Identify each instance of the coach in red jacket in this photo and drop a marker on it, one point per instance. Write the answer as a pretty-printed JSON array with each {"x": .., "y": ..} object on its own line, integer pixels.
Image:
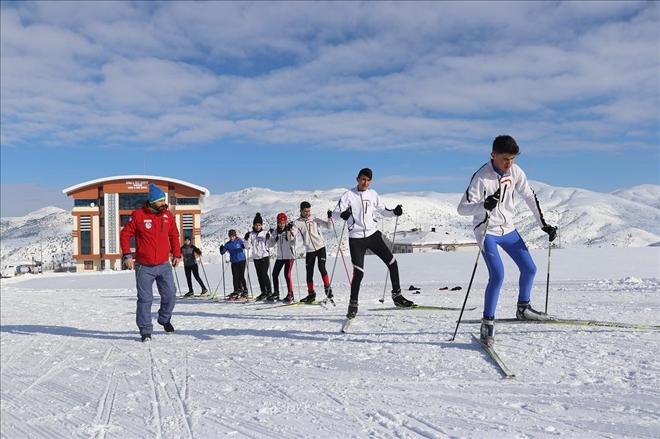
[{"x": 156, "y": 237}]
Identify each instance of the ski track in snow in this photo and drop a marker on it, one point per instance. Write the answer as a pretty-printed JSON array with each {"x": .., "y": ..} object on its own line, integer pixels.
[{"x": 73, "y": 366}]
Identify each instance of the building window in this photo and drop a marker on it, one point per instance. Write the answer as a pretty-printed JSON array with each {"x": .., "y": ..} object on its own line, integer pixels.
[
  {"x": 89, "y": 265},
  {"x": 85, "y": 235},
  {"x": 132, "y": 201},
  {"x": 188, "y": 222},
  {"x": 180, "y": 201},
  {"x": 124, "y": 219},
  {"x": 85, "y": 202}
]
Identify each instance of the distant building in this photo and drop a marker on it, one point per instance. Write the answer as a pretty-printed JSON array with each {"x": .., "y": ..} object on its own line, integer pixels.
[
  {"x": 415, "y": 241},
  {"x": 101, "y": 208}
]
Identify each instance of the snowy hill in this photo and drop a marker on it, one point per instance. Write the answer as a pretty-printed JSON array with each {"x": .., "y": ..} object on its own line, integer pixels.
[{"x": 626, "y": 217}]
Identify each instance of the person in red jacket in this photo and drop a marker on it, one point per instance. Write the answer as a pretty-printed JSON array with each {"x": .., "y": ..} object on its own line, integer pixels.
[{"x": 156, "y": 237}]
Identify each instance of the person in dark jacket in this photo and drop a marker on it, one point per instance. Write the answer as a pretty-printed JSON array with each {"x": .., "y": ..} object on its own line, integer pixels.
[
  {"x": 237, "y": 258},
  {"x": 190, "y": 253},
  {"x": 156, "y": 237}
]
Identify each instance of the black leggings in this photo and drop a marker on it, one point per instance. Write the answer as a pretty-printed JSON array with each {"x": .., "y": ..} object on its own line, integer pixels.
[
  {"x": 358, "y": 248},
  {"x": 193, "y": 270},
  {"x": 238, "y": 275},
  {"x": 287, "y": 264},
  {"x": 261, "y": 266},
  {"x": 310, "y": 260}
]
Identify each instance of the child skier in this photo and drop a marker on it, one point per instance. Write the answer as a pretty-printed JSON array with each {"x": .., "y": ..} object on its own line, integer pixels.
[
  {"x": 236, "y": 251},
  {"x": 283, "y": 240}
]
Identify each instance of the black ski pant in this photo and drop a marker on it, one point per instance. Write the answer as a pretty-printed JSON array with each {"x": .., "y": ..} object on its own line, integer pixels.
[
  {"x": 261, "y": 266},
  {"x": 310, "y": 260},
  {"x": 358, "y": 248},
  {"x": 238, "y": 276},
  {"x": 193, "y": 270},
  {"x": 287, "y": 264}
]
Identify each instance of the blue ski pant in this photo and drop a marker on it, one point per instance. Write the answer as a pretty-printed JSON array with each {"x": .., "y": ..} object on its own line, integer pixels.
[
  {"x": 145, "y": 275},
  {"x": 513, "y": 244}
]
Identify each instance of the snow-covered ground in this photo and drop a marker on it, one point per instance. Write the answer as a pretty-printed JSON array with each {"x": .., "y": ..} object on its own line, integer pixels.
[{"x": 73, "y": 365}]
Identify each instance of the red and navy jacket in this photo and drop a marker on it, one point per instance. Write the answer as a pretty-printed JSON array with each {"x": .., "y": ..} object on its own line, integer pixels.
[{"x": 156, "y": 236}]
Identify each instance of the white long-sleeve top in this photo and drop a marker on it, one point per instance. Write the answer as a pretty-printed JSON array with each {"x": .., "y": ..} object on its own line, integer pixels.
[
  {"x": 364, "y": 205},
  {"x": 486, "y": 181},
  {"x": 283, "y": 241},
  {"x": 257, "y": 243},
  {"x": 309, "y": 229}
]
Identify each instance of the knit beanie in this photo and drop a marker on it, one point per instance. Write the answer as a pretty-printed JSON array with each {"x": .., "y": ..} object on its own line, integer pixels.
[
  {"x": 281, "y": 217},
  {"x": 155, "y": 193},
  {"x": 257, "y": 219}
]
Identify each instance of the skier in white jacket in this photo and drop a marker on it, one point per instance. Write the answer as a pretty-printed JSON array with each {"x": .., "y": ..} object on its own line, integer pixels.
[
  {"x": 489, "y": 198},
  {"x": 283, "y": 240},
  {"x": 256, "y": 239},
  {"x": 357, "y": 207},
  {"x": 309, "y": 228}
]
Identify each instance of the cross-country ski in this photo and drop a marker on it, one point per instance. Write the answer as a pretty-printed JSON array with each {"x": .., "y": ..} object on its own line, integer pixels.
[{"x": 492, "y": 353}]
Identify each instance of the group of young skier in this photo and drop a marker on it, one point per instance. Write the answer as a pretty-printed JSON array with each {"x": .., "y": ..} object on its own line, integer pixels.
[{"x": 488, "y": 199}]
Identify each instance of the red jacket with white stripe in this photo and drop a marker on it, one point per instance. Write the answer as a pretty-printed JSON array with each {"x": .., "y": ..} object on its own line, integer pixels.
[{"x": 156, "y": 236}]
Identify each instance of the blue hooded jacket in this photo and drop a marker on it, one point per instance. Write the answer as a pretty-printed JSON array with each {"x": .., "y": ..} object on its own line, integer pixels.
[{"x": 235, "y": 249}]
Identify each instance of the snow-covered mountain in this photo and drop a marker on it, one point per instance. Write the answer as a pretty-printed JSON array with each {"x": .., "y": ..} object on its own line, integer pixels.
[{"x": 626, "y": 217}]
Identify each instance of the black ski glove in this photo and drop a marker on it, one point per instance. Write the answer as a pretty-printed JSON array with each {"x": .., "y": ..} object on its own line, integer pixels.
[
  {"x": 267, "y": 235},
  {"x": 491, "y": 201},
  {"x": 398, "y": 210},
  {"x": 345, "y": 215},
  {"x": 551, "y": 231},
  {"x": 247, "y": 235},
  {"x": 289, "y": 226},
  {"x": 222, "y": 249}
]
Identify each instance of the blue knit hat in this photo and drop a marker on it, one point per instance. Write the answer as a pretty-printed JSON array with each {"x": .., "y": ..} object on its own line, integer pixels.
[{"x": 155, "y": 193}]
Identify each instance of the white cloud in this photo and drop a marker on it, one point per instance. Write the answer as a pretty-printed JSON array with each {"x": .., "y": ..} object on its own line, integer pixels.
[{"x": 355, "y": 75}]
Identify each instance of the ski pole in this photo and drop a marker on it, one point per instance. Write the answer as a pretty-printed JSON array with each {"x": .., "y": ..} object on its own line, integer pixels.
[
  {"x": 204, "y": 270},
  {"x": 474, "y": 270},
  {"x": 247, "y": 263},
  {"x": 547, "y": 283},
  {"x": 339, "y": 252},
  {"x": 295, "y": 259},
  {"x": 224, "y": 292},
  {"x": 388, "y": 268},
  {"x": 177, "y": 280}
]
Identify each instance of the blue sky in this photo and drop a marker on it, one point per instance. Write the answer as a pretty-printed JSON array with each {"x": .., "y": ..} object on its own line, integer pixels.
[{"x": 301, "y": 95}]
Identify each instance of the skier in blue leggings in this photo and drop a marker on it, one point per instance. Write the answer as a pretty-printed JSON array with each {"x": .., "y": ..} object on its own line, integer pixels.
[{"x": 489, "y": 199}]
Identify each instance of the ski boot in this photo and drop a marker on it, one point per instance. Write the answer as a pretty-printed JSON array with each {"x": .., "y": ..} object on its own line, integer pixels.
[
  {"x": 233, "y": 296},
  {"x": 311, "y": 297},
  {"x": 328, "y": 293},
  {"x": 261, "y": 297},
  {"x": 401, "y": 301},
  {"x": 487, "y": 331},
  {"x": 275, "y": 297},
  {"x": 526, "y": 312},
  {"x": 244, "y": 295},
  {"x": 352, "y": 309},
  {"x": 146, "y": 337},
  {"x": 203, "y": 292},
  {"x": 288, "y": 298},
  {"x": 189, "y": 294}
]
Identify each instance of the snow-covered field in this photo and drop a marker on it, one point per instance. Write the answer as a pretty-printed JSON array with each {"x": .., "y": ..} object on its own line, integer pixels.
[{"x": 73, "y": 365}]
